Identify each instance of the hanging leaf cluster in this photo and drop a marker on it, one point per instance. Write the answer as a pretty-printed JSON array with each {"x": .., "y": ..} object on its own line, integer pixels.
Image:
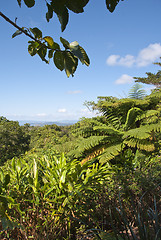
[{"x": 47, "y": 49}]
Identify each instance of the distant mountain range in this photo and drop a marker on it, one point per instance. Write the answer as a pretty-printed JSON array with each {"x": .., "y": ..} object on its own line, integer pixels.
[{"x": 43, "y": 123}]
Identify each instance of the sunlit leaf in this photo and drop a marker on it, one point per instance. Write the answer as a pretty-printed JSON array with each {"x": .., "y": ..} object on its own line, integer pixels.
[{"x": 51, "y": 43}]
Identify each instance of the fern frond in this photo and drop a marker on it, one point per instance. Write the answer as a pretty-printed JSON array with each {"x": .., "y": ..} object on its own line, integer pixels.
[
  {"x": 110, "y": 153},
  {"x": 149, "y": 116},
  {"x": 131, "y": 117},
  {"x": 108, "y": 130},
  {"x": 93, "y": 155},
  {"x": 138, "y": 133},
  {"x": 154, "y": 127},
  {"x": 87, "y": 144},
  {"x": 141, "y": 145}
]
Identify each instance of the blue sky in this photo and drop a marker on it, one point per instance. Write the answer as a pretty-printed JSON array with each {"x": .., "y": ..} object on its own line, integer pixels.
[{"x": 121, "y": 45}]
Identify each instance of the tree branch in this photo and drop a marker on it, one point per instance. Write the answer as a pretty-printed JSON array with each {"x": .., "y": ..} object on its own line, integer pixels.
[{"x": 22, "y": 30}]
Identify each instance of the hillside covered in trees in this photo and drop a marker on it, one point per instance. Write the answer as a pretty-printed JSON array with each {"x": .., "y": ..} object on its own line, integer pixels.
[{"x": 96, "y": 179}]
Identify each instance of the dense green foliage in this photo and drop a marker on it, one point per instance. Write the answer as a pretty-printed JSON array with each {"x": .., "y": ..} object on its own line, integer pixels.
[
  {"x": 13, "y": 140},
  {"x": 128, "y": 124},
  {"x": 106, "y": 184}
]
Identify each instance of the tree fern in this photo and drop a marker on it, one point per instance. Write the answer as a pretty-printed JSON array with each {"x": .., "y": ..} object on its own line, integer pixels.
[
  {"x": 110, "y": 153},
  {"x": 130, "y": 123},
  {"x": 136, "y": 92}
]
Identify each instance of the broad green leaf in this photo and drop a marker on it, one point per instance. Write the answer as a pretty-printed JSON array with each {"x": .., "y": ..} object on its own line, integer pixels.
[
  {"x": 49, "y": 14},
  {"x": 85, "y": 56},
  {"x": 111, "y": 4},
  {"x": 75, "y": 49},
  {"x": 6, "y": 179},
  {"x": 65, "y": 43},
  {"x": 63, "y": 176},
  {"x": 59, "y": 60},
  {"x": 19, "y": 2},
  {"x": 49, "y": 40},
  {"x": 1, "y": 175},
  {"x": 50, "y": 54},
  {"x": 29, "y": 3},
  {"x": 37, "y": 32},
  {"x": 13, "y": 164},
  {"x": 32, "y": 50},
  {"x": 51, "y": 43},
  {"x": 70, "y": 63},
  {"x": 18, "y": 32},
  {"x": 42, "y": 53},
  {"x": 18, "y": 166},
  {"x": 76, "y": 5},
  {"x": 63, "y": 18}
]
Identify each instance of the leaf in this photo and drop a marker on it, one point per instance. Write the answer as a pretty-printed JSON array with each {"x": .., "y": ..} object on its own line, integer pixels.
[
  {"x": 6, "y": 179},
  {"x": 37, "y": 32},
  {"x": 18, "y": 32},
  {"x": 85, "y": 56},
  {"x": 75, "y": 49},
  {"x": 63, "y": 18},
  {"x": 32, "y": 50},
  {"x": 19, "y": 2},
  {"x": 76, "y": 5},
  {"x": 18, "y": 166},
  {"x": 42, "y": 53},
  {"x": 51, "y": 43},
  {"x": 63, "y": 176},
  {"x": 111, "y": 4},
  {"x": 70, "y": 63},
  {"x": 49, "y": 40},
  {"x": 29, "y": 3},
  {"x": 13, "y": 164},
  {"x": 65, "y": 43},
  {"x": 33, "y": 47},
  {"x": 59, "y": 60},
  {"x": 49, "y": 14},
  {"x": 50, "y": 54}
]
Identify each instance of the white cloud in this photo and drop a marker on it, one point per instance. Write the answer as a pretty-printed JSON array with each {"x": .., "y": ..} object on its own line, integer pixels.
[
  {"x": 74, "y": 92},
  {"x": 145, "y": 57},
  {"x": 124, "y": 79},
  {"x": 126, "y": 61},
  {"x": 41, "y": 114},
  {"x": 148, "y": 55},
  {"x": 112, "y": 60},
  {"x": 62, "y": 110}
]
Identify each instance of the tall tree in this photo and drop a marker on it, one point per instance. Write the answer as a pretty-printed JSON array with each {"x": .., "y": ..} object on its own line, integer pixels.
[
  {"x": 13, "y": 140},
  {"x": 133, "y": 124}
]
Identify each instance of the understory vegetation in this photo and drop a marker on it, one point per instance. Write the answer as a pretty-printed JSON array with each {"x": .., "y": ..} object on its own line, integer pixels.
[{"x": 97, "y": 179}]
